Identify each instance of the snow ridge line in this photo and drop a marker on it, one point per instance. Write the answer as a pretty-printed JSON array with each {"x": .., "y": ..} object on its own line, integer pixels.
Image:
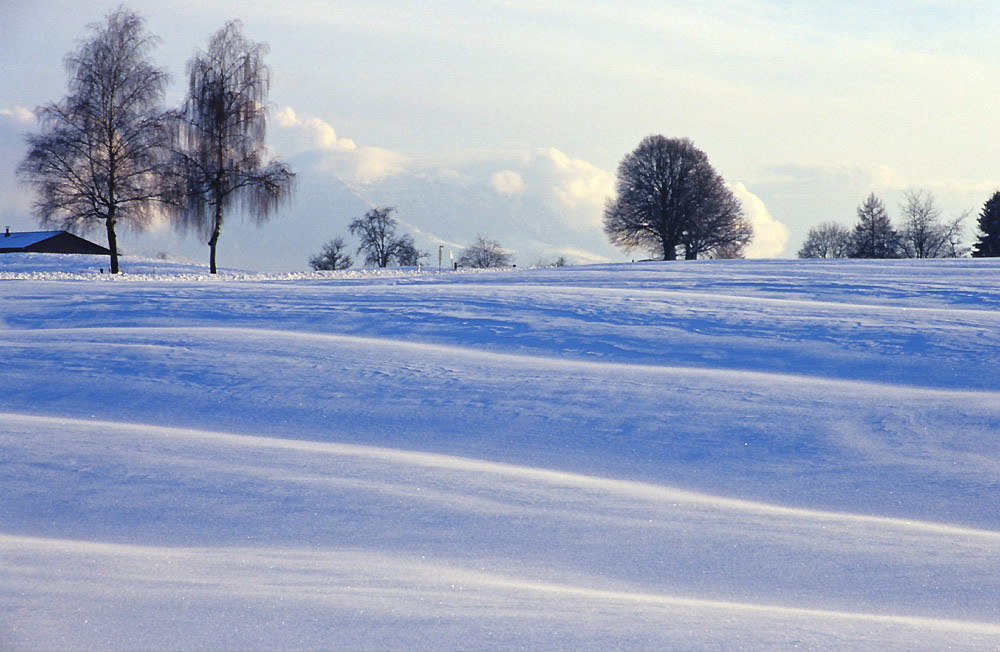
[
  {"x": 628, "y": 488},
  {"x": 430, "y": 573},
  {"x": 530, "y": 360},
  {"x": 710, "y": 297},
  {"x": 233, "y": 275}
]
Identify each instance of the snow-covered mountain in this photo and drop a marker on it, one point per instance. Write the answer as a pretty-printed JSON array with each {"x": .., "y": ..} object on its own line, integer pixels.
[{"x": 698, "y": 456}]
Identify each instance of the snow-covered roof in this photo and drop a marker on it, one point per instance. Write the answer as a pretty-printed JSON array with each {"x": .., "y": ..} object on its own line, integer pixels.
[
  {"x": 56, "y": 242},
  {"x": 25, "y": 238}
]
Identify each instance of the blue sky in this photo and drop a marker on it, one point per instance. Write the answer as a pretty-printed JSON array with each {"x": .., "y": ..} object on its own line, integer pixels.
[{"x": 808, "y": 106}]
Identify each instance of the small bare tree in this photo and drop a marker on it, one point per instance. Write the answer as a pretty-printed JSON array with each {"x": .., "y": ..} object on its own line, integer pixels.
[
  {"x": 828, "y": 240},
  {"x": 407, "y": 254},
  {"x": 332, "y": 257},
  {"x": 100, "y": 157},
  {"x": 222, "y": 129},
  {"x": 558, "y": 261},
  {"x": 484, "y": 253},
  {"x": 923, "y": 234},
  {"x": 377, "y": 231}
]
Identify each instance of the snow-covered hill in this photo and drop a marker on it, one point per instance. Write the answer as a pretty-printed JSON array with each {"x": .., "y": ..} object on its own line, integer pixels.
[{"x": 704, "y": 456}]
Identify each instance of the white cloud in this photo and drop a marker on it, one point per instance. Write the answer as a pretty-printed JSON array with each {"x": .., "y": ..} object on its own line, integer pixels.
[
  {"x": 448, "y": 175},
  {"x": 770, "y": 235},
  {"x": 364, "y": 165},
  {"x": 886, "y": 179},
  {"x": 371, "y": 164},
  {"x": 577, "y": 183},
  {"x": 19, "y": 114},
  {"x": 318, "y": 132},
  {"x": 15, "y": 197},
  {"x": 539, "y": 203},
  {"x": 507, "y": 182}
]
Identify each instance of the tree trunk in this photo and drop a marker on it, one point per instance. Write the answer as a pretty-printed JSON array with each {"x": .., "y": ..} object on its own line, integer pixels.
[
  {"x": 211, "y": 252},
  {"x": 112, "y": 240},
  {"x": 214, "y": 240}
]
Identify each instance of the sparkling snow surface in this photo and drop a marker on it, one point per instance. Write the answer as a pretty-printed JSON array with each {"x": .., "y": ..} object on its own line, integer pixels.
[{"x": 720, "y": 455}]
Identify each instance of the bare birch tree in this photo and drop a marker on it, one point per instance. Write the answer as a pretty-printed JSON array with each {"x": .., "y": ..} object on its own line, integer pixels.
[
  {"x": 99, "y": 158},
  {"x": 222, "y": 127}
]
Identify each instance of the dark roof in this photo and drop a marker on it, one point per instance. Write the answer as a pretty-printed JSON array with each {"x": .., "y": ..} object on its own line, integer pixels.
[{"x": 48, "y": 242}]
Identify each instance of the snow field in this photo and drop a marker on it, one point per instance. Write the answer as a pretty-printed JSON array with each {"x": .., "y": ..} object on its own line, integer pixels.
[{"x": 699, "y": 456}]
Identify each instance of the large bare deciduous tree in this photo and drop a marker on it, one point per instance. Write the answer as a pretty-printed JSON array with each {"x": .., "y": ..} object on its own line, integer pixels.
[
  {"x": 222, "y": 128},
  {"x": 100, "y": 156},
  {"x": 669, "y": 196}
]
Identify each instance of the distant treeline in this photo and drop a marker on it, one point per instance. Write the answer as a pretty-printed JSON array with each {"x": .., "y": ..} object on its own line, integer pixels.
[{"x": 921, "y": 232}]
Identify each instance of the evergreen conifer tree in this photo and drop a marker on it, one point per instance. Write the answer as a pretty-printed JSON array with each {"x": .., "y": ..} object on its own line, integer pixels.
[
  {"x": 988, "y": 244},
  {"x": 873, "y": 235}
]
